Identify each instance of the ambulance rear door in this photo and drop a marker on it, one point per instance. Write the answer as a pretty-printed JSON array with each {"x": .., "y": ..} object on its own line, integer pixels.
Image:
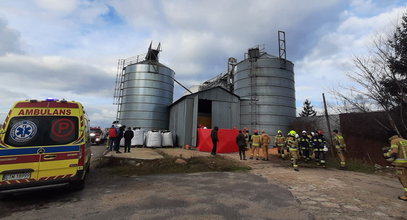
[
  {"x": 19, "y": 159},
  {"x": 61, "y": 148}
]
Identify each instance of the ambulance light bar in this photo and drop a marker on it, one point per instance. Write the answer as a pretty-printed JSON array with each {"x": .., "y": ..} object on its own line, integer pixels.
[{"x": 51, "y": 100}]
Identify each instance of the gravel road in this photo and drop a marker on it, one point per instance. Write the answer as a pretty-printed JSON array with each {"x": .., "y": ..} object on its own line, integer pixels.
[{"x": 271, "y": 190}]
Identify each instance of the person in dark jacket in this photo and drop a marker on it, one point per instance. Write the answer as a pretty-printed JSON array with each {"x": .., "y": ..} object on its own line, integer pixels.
[
  {"x": 119, "y": 138},
  {"x": 241, "y": 143},
  {"x": 128, "y": 135},
  {"x": 214, "y": 137}
]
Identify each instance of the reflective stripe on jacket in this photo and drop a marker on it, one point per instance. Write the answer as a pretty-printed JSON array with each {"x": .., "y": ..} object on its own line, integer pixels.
[
  {"x": 304, "y": 142},
  {"x": 398, "y": 146},
  {"x": 339, "y": 142},
  {"x": 264, "y": 139},
  {"x": 292, "y": 143},
  {"x": 256, "y": 140},
  {"x": 279, "y": 140}
]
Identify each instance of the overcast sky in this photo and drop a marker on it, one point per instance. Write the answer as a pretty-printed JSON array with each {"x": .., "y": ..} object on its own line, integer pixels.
[{"x": 69, "y": 49}]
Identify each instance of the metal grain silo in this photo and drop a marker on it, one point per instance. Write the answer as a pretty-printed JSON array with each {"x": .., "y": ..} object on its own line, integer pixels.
[
  {"x": 265, "y": 85},
  {"x": 146, "y": 92}
]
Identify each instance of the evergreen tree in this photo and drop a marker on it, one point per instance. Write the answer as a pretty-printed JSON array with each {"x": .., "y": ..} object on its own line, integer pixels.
[
  {"x": 395, "y": 83},
  {"x": 308, "y": 109}
]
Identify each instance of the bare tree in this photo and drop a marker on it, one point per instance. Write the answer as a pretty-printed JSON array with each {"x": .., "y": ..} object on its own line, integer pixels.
[{"x": 381, "y": 80}]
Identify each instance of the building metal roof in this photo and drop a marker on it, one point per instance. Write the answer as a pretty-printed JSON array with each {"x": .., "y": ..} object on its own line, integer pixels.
[
  {"x": 203, "y": 91},
  {"x": 264, "y": 55}
]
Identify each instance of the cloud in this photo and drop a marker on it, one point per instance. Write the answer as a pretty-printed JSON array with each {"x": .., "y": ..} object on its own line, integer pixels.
[
  {"x": 53, "y": 73},
  {"x": 25, "y": 77},
  {"x": 143, "y": 13},
  {"x": 205, "y": 33},
  {"x": 56, "y": 6},
  {"x": 100, "y": 115},
  {"x": 326, "y": 65},
  {"x": 70, "y": 48},
  {"x": 10, "y": 39}
]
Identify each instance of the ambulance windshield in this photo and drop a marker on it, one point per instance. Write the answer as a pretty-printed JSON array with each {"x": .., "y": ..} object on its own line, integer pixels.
[
  {"x": 96, "y": 130},
  {"x": 41, "y": 130}
]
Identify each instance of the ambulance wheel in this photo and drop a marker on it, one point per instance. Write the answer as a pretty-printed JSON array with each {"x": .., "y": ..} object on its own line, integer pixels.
[
  {"x": 5, "y": 196},
  {"x": 77, "y": 185},
  {"x": 87, "y": 168}
]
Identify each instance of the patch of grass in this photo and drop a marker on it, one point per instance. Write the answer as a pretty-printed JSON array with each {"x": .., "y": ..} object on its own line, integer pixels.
[
  {"x": 167, "y": 165},
  {"x": 352, "y": 165}
]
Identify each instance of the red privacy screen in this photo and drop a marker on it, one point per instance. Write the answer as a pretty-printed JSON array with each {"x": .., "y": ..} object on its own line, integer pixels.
[{"x": 226, "y": 144}]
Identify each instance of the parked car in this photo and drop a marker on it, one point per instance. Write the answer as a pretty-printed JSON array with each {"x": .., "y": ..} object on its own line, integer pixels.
[{"x": 97, "y": 136}]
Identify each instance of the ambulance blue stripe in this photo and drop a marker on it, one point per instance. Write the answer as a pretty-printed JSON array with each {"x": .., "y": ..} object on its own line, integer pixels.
[
  {"x": 61, "y": 149},
  {"x": 22, "y": 151},
  {"x": 8, "y": 152}
]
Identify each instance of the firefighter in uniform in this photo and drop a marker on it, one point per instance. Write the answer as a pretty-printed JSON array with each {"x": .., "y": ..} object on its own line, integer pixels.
[
  {"x": 398, "y": 155},
  {"x": 265, "y": 141},
  {"x": 340, "y": 147},
  {"x": 247, "y": 138},
  {"x": 311, "y": 146},
  {"x": 314, "y": 140},
  {"x": 255, "y": 139},
  {"x": 279, "y": 141},
  {"x": 304, "y": 145},
  {"x": 320, "y": 148},
  {"x": 292, "y": 145}
]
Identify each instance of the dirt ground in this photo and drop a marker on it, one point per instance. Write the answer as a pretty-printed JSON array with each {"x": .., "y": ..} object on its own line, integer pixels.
[
  {"x": 329, "y": 193},
  {"x": 271, "y": 190}
]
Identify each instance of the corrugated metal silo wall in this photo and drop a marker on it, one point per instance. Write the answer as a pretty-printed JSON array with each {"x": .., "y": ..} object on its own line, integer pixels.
[
  {"x": 274, "y": 88},
  {"x": 147, "y": 93}
]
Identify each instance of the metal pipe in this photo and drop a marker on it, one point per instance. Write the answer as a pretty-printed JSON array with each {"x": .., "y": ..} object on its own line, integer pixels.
[
  {"x": 329, "y": 126},
  {"x": 182, "y": 85}
]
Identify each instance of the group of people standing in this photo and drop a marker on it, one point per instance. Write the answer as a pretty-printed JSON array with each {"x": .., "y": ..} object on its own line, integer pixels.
[
  {"x": 115, "y": 134},
  {"x": 305, "y": 147},
  {"x": 253, "y": 142},
  {"x": 308, "y": 146}
]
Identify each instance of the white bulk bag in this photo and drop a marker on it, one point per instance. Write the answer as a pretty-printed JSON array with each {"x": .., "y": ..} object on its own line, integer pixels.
[
  {"x": 138, "y": 139},
  {"x": 167, "y": 139},
  {"x": 153, "y": 139}
]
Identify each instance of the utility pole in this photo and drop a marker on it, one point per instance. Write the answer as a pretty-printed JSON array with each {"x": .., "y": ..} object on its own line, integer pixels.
[{"x": 329, "y": 126}]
